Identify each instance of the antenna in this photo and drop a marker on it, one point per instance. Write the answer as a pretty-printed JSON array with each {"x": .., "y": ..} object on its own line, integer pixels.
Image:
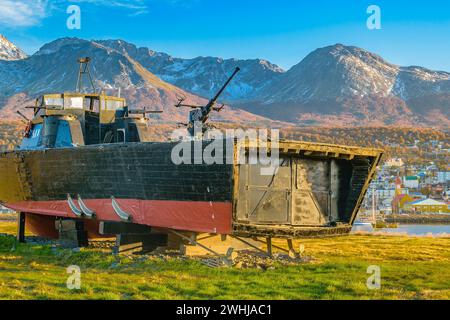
[
  {"x": 84, "y": 69},
  {"x": 22, "y": 115}
]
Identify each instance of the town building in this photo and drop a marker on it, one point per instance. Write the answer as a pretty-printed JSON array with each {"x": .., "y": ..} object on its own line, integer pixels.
[
  {"x": 443, "y": 176},
  {"x": 5, "y": 210},
  {"x": 394, "y": 162},
  {"x": 400, "y": 203},
  {"x": 411, "y": 182},
  {"x": 429, "y": 206}
]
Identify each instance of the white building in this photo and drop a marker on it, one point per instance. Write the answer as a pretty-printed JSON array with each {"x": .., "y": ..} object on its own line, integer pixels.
[
  {"x": 411, "y": 182},
  {"x": 5, "y": 210},
  {"x": 394, "y": 162},
  {"x": 443, "y": 176},
  {"x": 385, "y": 193}
]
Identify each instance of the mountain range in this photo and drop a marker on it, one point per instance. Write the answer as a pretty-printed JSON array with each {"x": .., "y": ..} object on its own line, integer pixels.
[
  {"x": 335, "y": 85},
  {"x": 54, "y": 68}
]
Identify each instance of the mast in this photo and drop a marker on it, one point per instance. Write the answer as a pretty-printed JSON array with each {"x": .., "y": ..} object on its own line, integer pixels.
[
  {"x": 84, "y": 69},
  {"x": 374, "y": 218}
]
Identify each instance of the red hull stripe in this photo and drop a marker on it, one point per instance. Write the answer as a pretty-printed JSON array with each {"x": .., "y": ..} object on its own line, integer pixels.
[{"x": 210, "y": 217}]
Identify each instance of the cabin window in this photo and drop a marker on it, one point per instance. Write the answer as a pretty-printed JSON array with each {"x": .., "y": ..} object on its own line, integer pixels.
[
  {"x": 92, "y": 104},
  {"x": 63, "y": 135},
  {"x": 95, "y": 103},
  {"x": 54, "y": 102},
  {"x": 114, "y": 104},
  {"x": 120, "y": 135},
  {"x": 73, "y": 103}
]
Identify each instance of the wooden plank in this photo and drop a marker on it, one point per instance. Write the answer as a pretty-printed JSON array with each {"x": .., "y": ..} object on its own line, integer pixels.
[
  {"x": 220, "y": 246},
  {"x": 290, "y": 244},
  {"x": 155, "y": 239},
  {"x": 113, "y": 227},
  {"x": 21, "y": 227},
  {"x": 139, "y": 242},
  {"x": 269, "y": 246},
  {"x": 69, "y": 224}
]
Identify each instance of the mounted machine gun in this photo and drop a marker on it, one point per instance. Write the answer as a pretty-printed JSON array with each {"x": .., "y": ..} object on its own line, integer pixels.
[{"x": 200, "y": 114}]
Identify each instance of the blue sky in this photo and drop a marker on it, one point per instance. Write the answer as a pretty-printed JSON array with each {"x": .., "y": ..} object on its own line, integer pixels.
[{"x": 281, "y": 31}]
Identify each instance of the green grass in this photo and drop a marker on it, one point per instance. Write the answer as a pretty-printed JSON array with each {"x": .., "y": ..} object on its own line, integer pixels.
[{"x": 411, "y": 268}]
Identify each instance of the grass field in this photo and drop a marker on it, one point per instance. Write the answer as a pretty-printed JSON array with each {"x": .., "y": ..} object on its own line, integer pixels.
[{"x": 411, "y": 268}]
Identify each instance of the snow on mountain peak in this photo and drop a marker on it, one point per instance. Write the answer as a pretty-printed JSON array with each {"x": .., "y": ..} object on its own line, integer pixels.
[{"x": 8, "y": 51}]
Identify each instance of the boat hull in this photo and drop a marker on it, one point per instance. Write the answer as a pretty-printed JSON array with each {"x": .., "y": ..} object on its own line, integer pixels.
[
  {"x": 317, "y": 190},
  {"x": 198, "y": 216}
]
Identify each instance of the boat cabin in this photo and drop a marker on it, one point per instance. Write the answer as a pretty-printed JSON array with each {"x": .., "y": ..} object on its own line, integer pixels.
[{"x": 75, "y": 119}]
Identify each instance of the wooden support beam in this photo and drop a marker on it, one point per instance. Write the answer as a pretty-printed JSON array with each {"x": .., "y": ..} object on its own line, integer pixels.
[
  {"x": 249, "y": 244},
  {"x": 114, "y": 227},
  {"x": 273, "y": 246},
  {"x": 69, "y": 225},
  {"x": 290, "y": 244},
  {"x": 194, "y": 242},
  {"x": 139, "y": 242},
  {"x": 72, "y": 233},
  {"x": 21, "y": 227},
  {"x": 269, "y": 246}
]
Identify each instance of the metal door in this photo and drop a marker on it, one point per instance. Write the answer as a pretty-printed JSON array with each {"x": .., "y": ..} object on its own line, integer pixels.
[
  {"x": 267, "y": 198},
  {"x": 311, "y": 192}
]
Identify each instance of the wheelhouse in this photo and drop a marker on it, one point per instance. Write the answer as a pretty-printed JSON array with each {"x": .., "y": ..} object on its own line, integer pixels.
[
  {"x": 96, "y": 103},
  {"x": 74, "y": 119}
]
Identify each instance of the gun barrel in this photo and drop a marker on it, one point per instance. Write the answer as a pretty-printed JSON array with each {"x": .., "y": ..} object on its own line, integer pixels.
[
  {"x": 137, "y": 111},
  {"x": 201, "y": 115},
  {"x": 225, "y": 85}
]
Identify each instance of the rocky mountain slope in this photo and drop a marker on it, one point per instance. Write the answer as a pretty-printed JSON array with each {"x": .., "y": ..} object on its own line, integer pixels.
[
  {"x": 203, "y": 75},
  {"x": 8, "y": 51},
  {"x": 340, "y": 71},
  {"x": 349, "y": 85},
  {"x": 337, "y": 85}
]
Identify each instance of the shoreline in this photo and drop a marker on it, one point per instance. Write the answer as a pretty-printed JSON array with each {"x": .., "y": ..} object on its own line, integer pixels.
[
  {"x": 399, "y": 234},
  {"x": 432, "y": 219}
]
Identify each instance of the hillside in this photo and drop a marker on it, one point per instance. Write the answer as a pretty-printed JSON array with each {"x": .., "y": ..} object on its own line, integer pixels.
[{"x": 395, "y": 141}]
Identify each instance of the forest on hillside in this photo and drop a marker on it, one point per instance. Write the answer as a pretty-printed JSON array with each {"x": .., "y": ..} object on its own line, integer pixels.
[
  {"x": 10, "y": 134},
  {"x": 413, "y": 145}
]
